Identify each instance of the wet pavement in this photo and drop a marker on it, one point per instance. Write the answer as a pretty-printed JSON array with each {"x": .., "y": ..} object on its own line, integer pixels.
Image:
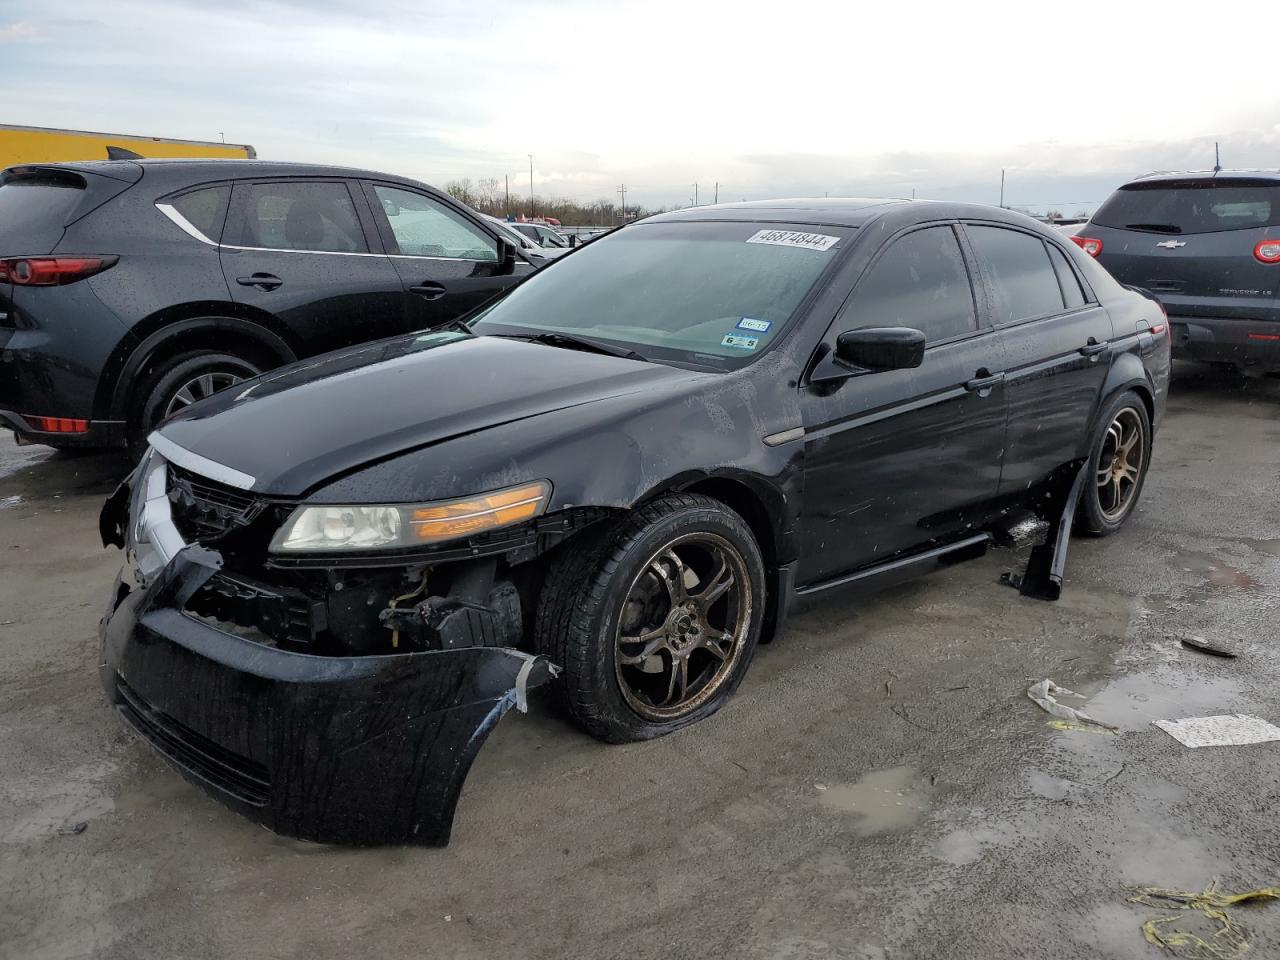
[{"x": 880, "y": 787}]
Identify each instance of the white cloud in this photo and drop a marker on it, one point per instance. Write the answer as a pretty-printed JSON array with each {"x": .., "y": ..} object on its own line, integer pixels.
[{"x": 764, "y": 97}]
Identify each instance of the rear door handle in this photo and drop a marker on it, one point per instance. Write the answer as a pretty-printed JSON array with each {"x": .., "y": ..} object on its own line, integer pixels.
[
  {"x": 1092, "y": 348},
  {"x": 428, "y": 291},
  {"x": 263, "y": 281},
  {"x": 983, "y": 383}
]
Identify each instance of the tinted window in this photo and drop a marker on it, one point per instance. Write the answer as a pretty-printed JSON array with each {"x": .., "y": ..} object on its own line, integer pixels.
[
  {"x": 1192, "y": 207},
  {"x": 205, "y": 209},
  {"x": 1023, "y": 283},
  {"x": 1067, "y": 278},
  {"x": 715, "y": 293},
  {"x": 33, "y": 213},
  {"x": 921, "y": 282},
  {"x": 423, "y": 227},
  {"x": 299, "y": 216}
]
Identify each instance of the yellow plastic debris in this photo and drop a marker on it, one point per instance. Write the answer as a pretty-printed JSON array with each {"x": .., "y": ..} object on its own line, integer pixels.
[
  {"x": 1231, "y": 939},
  {"x": 1080, "y": 727}
]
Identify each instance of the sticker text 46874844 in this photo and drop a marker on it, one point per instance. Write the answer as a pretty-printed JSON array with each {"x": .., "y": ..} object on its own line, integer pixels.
[{"x": 794, "y": 238}]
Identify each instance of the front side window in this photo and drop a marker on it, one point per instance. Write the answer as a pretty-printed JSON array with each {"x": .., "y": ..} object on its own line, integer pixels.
[
  {"x": 920, "y": 282},
  {"x": 710, "y": 293},
  {"x": 1023, "y": 281},
  {"x": 423, "y": 227},
  {"x": 299, "y": 215}
]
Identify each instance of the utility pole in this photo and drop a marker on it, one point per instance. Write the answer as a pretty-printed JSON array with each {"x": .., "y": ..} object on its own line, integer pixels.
[
  {"x": 695, "y": 193},
  {"x": 717, "y": 199},
  {"x": 622, "y": 189},
  {"x": 1002, "y": 187},
  {"x": 532, "y": 209},
  {"x": 223, "y": 136},
  {"x": 913, "y": 193},
  {"x": 507, "y": 178}
]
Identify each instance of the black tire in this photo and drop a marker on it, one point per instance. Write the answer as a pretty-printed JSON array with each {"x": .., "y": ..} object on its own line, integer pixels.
[
  {"x": 1098, "y": 514},
  {"x": 157, "y": 399},
  {"x": 593, "y": 584}
]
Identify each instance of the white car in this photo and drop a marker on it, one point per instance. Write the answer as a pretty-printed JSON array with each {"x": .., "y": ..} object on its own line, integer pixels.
[
  {"x": 542, "y": 235},
  {"x": 525, "y": 244}
]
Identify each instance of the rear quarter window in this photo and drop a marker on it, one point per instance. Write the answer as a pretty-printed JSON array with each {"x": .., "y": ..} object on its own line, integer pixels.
[{"x": 205, "y": 209}]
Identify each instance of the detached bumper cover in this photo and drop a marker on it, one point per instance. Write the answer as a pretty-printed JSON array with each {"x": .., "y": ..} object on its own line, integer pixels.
[{"x": 353, "y": 750}]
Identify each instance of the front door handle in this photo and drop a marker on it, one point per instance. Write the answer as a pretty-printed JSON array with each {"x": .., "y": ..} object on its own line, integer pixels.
[
  {"x": 983, "y": 383},
  {"x": 1092, "y": 348},
  {"x": 428, "y": 291},
  {"x": 263, "y": 281}
]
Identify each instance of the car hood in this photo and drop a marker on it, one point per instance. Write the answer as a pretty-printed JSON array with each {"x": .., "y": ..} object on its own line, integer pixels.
[{"x": 287, "y": 431}]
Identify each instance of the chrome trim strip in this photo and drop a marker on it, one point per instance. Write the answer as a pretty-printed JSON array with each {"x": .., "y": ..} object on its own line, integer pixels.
[
  {"x": 201, "y": 465},
  {"x": 183, "y": 223},
  {"x": 155, "y": 539},
  {"x": 786, "y": 436},
  {"x": 343, "y": 253}
]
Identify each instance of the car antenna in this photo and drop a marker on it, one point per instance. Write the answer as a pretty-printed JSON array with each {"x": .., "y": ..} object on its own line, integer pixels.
[
  {"x": 121, "y": 153},
  {"x": 1217, "y": 159}
]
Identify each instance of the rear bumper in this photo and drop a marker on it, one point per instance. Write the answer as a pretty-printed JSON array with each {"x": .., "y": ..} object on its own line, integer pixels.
[
  {"x": 101, "y": 433},
  {"x": 1245, "y": 343}
]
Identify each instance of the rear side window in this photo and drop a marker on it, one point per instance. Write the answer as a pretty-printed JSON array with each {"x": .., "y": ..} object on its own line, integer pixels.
[
  {"x": 296, "y": 216},
  {"x": 205, "y": 209},
  {"x": 921, "y": 281},
  {"x": 1067, "y": 279},
  {"x": 1181, "y": 207},
  {"x": 1023, "y": 281}
]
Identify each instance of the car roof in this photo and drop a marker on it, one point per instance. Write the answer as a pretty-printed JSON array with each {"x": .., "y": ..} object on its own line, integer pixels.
[
  {"x": 195, "y": 169},
  {"x": 838, "y": 211},
  {"x": 1184, "y": 175}
]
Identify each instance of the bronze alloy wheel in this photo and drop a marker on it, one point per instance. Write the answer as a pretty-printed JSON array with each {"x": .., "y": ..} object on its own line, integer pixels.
[
  {"x": 683, "y": 626},
  {"x": 197, "y": 388},
  {"x": 1120, "y": 462}
]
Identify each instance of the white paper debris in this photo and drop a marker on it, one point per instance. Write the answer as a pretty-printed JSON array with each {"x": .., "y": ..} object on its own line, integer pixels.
[
  {"x": 1226, "y": 731},
  {"x": 1043, "y": 693}
]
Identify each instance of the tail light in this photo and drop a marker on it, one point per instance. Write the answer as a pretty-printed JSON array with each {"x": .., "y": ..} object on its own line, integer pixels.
[
  {"x": 57, "y": 424},
  {"x": 51, "y": 271},
  {"x": 1089, "y": 245},
  {"x": 1159, "y": 328},
  {"x": 1267, "y": 251}
]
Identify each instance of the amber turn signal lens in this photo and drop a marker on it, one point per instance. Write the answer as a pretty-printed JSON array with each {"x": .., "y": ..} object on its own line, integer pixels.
[{"x": 463, "y": 518}]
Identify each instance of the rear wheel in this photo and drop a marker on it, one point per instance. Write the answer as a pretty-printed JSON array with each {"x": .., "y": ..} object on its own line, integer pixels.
[
  {"x": 184, "y": 380},
  {"x": 1117, "y": 466},
  {"x": 655, "y": 619}
]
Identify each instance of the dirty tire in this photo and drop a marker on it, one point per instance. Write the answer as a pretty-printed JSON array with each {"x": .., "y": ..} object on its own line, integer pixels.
[
  {"x": 176, "y": 374},
  {"x": 1093, "y": 517},
  {"x": 591, "y": 582}
]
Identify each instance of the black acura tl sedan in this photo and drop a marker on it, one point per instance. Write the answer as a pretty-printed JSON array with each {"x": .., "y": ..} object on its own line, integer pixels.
[{"x": 617, "y": 477}]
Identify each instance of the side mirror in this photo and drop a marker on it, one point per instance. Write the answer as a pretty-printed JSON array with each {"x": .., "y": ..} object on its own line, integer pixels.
[
  {"x": 506, "y": 256},
  {"x": 881, "y": 348}
]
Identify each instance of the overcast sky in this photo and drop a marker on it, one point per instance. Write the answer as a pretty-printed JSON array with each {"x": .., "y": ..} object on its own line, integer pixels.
[{"x": 771, "y": 99}]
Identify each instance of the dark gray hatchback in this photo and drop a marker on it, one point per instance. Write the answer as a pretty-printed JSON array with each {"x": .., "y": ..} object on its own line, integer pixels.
[{"x": 1208, "y": 246}]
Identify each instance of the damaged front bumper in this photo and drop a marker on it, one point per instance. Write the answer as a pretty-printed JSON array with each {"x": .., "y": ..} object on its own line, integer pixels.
[{"x": 352, "y": 750}]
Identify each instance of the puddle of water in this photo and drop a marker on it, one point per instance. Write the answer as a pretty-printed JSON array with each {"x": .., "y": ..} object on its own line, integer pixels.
[
  {"x": 1216, "y": 572},
  {"x": 10, "y": 502},
  {"x": 883, "y": 800}
]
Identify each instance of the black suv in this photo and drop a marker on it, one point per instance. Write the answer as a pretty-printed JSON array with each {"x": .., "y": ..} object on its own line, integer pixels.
[
  {"x": 130, "y": 289},
  {"x": 1208, "y": 245}
]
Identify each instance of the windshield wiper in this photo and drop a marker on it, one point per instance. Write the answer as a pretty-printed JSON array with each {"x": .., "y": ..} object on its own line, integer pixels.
[
  {"x": 571, "y": 342},
  {"x": 1154, "y": 227}
]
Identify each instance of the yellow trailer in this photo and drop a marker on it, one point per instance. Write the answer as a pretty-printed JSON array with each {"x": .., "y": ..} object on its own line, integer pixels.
[{"x": 47, "y": 145}]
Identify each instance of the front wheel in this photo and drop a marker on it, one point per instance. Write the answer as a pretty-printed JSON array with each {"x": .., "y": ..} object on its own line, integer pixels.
[
  {"x": 655, "y": 619},
  {"x": 1118, "y": 462},
  {"x": 185, "y": 380}
]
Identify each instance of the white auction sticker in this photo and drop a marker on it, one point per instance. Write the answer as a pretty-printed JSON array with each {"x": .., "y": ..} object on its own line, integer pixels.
[{"x": 794, "y": 238}]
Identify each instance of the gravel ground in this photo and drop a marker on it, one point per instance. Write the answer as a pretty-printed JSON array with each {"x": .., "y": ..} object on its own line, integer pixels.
[{"x": 880, "y": 787}]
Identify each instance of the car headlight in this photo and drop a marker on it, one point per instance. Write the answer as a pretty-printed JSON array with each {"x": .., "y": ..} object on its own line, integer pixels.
[{"x": 381, "y": 526}]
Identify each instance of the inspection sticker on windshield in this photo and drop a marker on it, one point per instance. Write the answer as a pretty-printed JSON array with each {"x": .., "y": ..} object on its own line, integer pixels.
[
  {"x": 794, "y": 238},
  {"x": 742, "y": 343},
  {"x": 750, "y": 323}
]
